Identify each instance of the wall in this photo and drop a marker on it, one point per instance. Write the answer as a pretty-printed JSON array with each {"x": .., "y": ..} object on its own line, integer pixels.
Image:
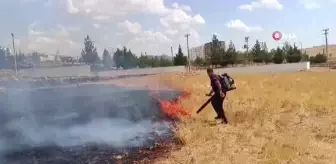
[
  {"x": 143, "y": 71},
  {"x": 85, "y": 70},
  {"x": 271, "y": 68}
]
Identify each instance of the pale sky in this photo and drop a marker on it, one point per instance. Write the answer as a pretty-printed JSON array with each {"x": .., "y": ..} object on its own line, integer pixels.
[{"x": 153, "y": 26}]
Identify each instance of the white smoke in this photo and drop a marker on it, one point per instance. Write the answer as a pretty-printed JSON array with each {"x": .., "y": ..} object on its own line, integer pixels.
[{"x": 107, "y": 115}]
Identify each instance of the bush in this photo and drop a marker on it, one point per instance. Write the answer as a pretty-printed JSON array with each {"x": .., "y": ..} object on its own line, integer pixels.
[
  {"x": 319, "y": 58},
  {"x": 279, "y": 56},
  {"x": 293, "y": 58},
  {"x": 258, "y": 59},
  {"x": 305, "y": 57}
]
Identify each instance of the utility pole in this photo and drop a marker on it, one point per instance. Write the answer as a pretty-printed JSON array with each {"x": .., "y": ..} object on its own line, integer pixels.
[
  {"x": 247, "y": 48},
  {"x": 187, "y": 36},
  {"x": 112, "y": 51},
  {"x": 326, "y": 44},
  {"x": 14, "y": 51},
  {"x": 172, "y": 54}
]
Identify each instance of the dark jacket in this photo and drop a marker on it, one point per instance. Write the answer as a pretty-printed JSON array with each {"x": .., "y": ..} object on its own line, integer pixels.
[{"x": 215, "y": 84}]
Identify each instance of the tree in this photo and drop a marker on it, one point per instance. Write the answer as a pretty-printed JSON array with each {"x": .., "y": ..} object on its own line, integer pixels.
[
  {"x": 180, "y": 59},
  {"x": 279, "y": 56},
  {"x": 165, "y": 62},
  {"x": 143, "y": 61},
  {"x": 89, "y": 53},
  {"x": 3, "y": 58},
  {"x": 267, "y": 57},
  {"x": 286, "y": 48},
  {"x": 319, "y": 58},
  {"x": 130, "y": 60},
  {"x": 293, "y": 55},
  {"x": 107, "y": 59},
  {"x": 305, "y": 56},
  {"x": 125, "y": 59},
  {"x": 118, "y": 58},
  {"x": 155, "y": 61},
  {"x": 257, "y": 53},
  {"x": 215, "y": 57},
  {"x": 240, "y": 57},
  {"x": 224, "y": 58},
  {"x": 249, "y": 56},
  {"x": 231, "y": 54},
  {"x": 199, "y": 61}
]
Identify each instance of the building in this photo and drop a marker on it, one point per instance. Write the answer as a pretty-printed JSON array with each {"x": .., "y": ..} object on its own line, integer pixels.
[
  {"x": 204, "y": 50},
  {"x": 222, "y": 45},
  {"x": 207, "y": 47},
  {"x": 196, "y": 52}
]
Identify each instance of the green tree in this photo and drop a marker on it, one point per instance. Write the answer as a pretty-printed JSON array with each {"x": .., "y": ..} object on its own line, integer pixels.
[
  {"x": 305, "y": 56},
  {"x": 125, "y": 58},
  {"x": 165, "y": 62},
  {"x": 293, "y": 55},
  {"x": 130, "y": 60},
  {"x": 155, "y": 61},
  {"x": 180, "y": 59},
  {"x": 249, "y": 56},
  {"x": 118, "y": 58},
  {"x": 319, "y": 58},
  {"x": 265, "y": 54},
  {"x": 3, "y": 58},
  {"x": 279, "y": 56},
  {"x": 143, "y": 61},
  {"x": 286, "y": 48},
  {"x": 224, "y": 58},
  {"x": 240, "y": 57},
  {"x": 199, "y": 61},
  {"x": 215, "y": 51},
  {"x": 89, "y": 53},
  {"x": 107, "y": 59},
  {"x": 231, "y": 54},
  {"x": 257, "y": 53}
]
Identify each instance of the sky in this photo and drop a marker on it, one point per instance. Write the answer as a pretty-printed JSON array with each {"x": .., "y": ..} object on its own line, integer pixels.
[{"x": 154, "y": 26}]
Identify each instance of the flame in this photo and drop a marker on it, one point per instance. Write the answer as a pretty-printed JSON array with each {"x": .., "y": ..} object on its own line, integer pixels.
[{"x": 174, "y": 109}]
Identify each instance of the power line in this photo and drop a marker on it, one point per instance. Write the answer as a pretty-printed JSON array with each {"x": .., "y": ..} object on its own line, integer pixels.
[
  {"x": 326, "y": 39},
  {"x": 247, "y": 46},
  {"x": 172, "y": 54},
  {"x": 187, "y": 36},
  {"x": 15, "y": 65},
  {"x": 326, "y": 42}
]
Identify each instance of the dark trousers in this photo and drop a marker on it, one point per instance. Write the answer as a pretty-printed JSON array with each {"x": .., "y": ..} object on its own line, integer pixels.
[{"x": 217, "y": 104}]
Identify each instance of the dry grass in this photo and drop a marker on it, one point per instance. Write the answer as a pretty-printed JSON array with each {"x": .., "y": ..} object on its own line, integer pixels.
[{"x": 274, "y": 118}]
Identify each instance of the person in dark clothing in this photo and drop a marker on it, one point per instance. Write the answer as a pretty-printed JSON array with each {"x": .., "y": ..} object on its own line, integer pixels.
[{"x": 219, "y": 95}]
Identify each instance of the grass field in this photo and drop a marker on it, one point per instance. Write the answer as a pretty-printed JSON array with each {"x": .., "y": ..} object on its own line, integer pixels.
[{"x": 274, "y": 118}]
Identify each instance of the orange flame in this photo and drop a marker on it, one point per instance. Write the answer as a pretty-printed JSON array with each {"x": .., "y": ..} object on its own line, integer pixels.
[{"x": 174, "y": 109}]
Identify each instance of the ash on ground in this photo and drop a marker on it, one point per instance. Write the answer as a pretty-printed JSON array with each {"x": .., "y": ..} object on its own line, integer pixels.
[{"x": 83, "y": 124}]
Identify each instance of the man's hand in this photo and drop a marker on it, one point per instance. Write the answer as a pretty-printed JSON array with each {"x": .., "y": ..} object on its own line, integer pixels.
[
  {"x": 222, "y": 94},
  {"x": 210, "y": 93}
]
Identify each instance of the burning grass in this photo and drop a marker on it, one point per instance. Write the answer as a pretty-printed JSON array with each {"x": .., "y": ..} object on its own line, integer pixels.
[
  {"x": 273, "y": 118},
  {"x": 174, "y": 109}
]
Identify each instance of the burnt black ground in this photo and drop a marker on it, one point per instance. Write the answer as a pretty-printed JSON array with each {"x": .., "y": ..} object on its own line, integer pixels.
[{"x": 85, "y": 124}]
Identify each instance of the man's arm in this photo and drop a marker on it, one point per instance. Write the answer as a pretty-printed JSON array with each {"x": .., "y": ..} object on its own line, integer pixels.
[
  {"x": 218, "y": 86},
  {"x": 210, "y": 93}
]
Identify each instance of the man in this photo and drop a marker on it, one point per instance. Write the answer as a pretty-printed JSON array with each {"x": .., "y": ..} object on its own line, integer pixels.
[{"x": 219, "y": 96}]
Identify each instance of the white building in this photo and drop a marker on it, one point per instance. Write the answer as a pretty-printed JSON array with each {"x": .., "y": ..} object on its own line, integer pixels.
[{"x": 197, "y": 51}]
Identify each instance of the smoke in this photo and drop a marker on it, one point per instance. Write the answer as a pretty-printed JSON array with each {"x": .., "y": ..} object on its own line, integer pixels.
[{"x": 73, "y": 116}]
